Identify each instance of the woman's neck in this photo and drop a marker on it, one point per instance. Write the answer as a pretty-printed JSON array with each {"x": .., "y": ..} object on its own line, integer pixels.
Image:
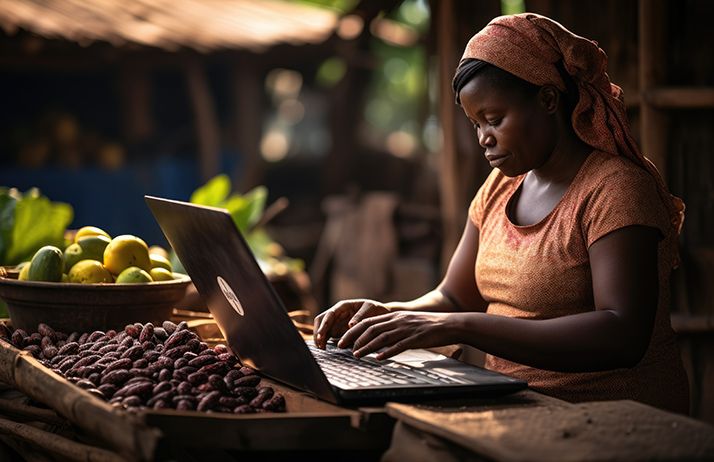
[{"x": 564, "y": 163}]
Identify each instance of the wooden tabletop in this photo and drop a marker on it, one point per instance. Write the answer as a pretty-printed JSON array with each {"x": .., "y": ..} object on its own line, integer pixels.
[{"x": 531, "y": 427}]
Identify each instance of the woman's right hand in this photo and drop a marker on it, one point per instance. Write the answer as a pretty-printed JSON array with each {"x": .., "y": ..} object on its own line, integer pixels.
[{"x": 342, "y": 316}]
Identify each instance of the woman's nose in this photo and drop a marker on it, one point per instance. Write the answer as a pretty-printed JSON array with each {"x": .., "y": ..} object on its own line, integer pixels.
[{"x": 486, "y": 140}]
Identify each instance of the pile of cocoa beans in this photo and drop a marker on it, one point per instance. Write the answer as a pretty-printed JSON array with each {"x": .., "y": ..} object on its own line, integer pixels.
[{"x": 144, "y": 366}]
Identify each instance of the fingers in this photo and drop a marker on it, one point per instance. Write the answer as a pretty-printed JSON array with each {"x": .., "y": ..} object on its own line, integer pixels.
[
  {"x": 384, "y": 339},
  {"x": 355, "y": 332},
  {"x": 367, "y": 309}
]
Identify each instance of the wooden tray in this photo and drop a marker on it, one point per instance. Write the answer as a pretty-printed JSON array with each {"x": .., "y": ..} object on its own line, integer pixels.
[{"x": 309, "y": 424}]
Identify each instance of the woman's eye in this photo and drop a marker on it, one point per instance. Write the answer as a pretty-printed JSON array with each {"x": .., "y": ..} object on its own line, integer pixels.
[{"x": 494, "y": 122}]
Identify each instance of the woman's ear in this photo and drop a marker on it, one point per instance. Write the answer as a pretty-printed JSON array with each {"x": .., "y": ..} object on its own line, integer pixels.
[{"x": 549, "y": 98}]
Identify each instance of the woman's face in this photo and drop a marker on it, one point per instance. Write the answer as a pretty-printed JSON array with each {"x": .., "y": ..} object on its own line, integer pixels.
[{"x": 517, "y": 130}]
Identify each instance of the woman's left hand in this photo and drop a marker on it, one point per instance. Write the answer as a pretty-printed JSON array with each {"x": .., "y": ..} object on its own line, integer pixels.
[{"x": 398, "y": 331}]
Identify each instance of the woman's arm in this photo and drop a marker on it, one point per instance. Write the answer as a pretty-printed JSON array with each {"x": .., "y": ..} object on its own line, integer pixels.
[{"x": 616, "y": 334}]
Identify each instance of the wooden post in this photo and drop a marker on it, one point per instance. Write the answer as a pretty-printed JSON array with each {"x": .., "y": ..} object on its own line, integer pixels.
[
  {"x": 652, "y": 38},
  {"x": 135, "y": 90},
  {"x": 248, "y": 123},
  {"x": 450, "y": 180},
  {"x": 205, "y": 119}
]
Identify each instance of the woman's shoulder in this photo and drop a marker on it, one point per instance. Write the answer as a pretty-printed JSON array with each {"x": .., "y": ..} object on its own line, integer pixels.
[{"x": 602, "y": 166}]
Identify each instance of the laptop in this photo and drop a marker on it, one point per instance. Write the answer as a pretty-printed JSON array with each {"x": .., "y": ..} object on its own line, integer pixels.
[{"x": 259, "y": 331}]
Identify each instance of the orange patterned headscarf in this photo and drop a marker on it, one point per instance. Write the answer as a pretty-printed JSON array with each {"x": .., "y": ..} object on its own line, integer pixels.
[{"x": 531, "y": 46}]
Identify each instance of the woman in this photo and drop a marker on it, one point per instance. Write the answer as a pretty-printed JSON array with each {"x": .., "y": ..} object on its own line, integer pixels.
[{"x": 562, "y": 272}]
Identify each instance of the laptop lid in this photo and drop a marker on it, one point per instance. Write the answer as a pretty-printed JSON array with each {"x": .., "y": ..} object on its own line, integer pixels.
[{"x": 250, "y": 315}]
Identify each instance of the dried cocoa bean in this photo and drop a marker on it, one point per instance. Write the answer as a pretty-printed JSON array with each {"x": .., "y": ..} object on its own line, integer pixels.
[
  {"x": 247, "y": 393},
  {"x": 202, "y": 346},
  {"x": 97, "y": 393},
  {"x": 169, "y": 327},
  {"x": 228, "y": 401},
  {"x": 46, "y": 331},
  {"x": 175, "y": 352},
  {"x": 140, "y": 363},
  {"x": 231, "y": 376},
  {"x": 86, "y": 346},
  {"x": 183, "y": 325},
  {"x": 128, "y": 342},
  {"x": 83, "y": 338},
  {"x": 45, "y": 342},
  {"x": 67, "y": 363},
  {"x": 163, "y": 362},
  {"x": 84, "y": 383},
  {"x": 140, "y": 389},
  {"x": 264, "y": 394},
  {"x": 132, "y": 331},
  {"x": 189, "y": 355},
  {"x": 18, "y": 337},
  {"x": 146, "y": 332},
  {"x": 95, "y": 377},
  {"x": 161, "y": 387},
  {"x": 86, "y": 352},
  {"x": 161, "y": 404},
  {"x": 131, "y": 401},
  {"x": 138, "y": 379},
  {"x": 89, "y": 370},
  {"x": 60, "y": 343},
  {"x": 245, "y": 370},
  {"x": 244, "y": 409},
  {"x": 204, "y": 388},
  {"x": 275, "y": 404},
  {"x": 146, "y": 373},
  {"x": 107, "y": 389},
  {"x": 160, "y": 334},
  {"x": 34, "y": 350},
  {"x": 246, "y": 381},
  {"x": 184, "y": 388},
  {"x": 217, "y": 383},
  {"x": 112, "y": 355},
  {"x": 73, "y": 337},
  {"x": 208, "y": 352},
  {"x": 209, "y": 401},
  {"x": 197, "y": 378},
  {"x": 180, "y": 337},
  {"x": 99, "y": 344},
  {"x": 165, "y": 375},
  {"x": 69, "y": 348},
  {"x": 33, "y": 339},
  {"x": 228, "y": 358},
  {"x": 49, "y": 352},
  {"x": 181, "y": 362},
  {"x": 164, "y": 395},
  {"x": 186, "y": 397},
  {"x": 87, "y": 360},
  {"x": 220, "y": 348},
  {"x": 151, "y": 356},
  {"x": 96, "y": 335},
  {"x": 57, "y": 359},
  {"x": 133, "y": 353},
  {"x": 185, "y": 405},
  {"x": 107, "y": 348},
  {"x": 215, "y": 368},
  {"x": 147, "y": 345},
  {"x": 122, "y": 363},
  {"x": 194, "y": 345},
  {"x": 116, "y": 377},
  {"x": 202, "y": 360}
]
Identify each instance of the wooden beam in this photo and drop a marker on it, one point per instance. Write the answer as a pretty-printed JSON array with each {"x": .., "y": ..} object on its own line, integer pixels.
[
  {"x": 247, "y": 91},
  {"x": 680, "y": 97},
  {"x": 652, "y": 44},
  {"x": 449, "y": 179},
  {"x": 692, "y": 324}
]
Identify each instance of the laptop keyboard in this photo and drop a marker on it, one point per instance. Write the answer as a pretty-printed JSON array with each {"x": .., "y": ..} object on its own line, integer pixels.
[{"x": 345, "y": 371}]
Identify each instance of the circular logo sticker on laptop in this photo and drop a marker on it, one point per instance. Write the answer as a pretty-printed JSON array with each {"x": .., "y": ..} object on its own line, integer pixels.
[{"x": 230, "y": 295}]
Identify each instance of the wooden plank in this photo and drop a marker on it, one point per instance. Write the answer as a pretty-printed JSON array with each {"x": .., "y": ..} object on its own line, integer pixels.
[
  {"x": 610, "y": 430},
  {"x": 681, "y": 98}
]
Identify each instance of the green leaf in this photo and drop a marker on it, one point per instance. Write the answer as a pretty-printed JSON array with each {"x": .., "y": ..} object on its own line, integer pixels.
[
  {"x": 38, "y": 222},
  {"x": 213, "y": 193},
  {"x": 7, "y": 221}
]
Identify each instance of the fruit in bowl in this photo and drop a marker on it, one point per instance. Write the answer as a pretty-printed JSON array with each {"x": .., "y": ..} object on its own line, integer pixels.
[{"x": 96, "y": 283}]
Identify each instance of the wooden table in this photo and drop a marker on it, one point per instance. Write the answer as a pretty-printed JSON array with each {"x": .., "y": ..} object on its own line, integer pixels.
[{"x": 528, "y": 426}]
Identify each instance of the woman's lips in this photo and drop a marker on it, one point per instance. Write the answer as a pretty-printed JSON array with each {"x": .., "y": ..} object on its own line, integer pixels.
[{"x": 496, "y": 159}]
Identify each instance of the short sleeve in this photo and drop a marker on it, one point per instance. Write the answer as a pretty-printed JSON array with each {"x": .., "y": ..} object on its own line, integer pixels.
[
  {"x": 625, "y": 198},
  {"x": 478, "y": 204}
]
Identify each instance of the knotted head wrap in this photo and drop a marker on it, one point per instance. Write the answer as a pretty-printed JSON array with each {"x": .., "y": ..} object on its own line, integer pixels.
[{"x": 533, "y": 47}]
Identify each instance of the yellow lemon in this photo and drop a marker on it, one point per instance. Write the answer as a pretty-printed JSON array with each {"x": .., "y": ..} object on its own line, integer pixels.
[
  {"x": 125, "y": 251},
  {"x": 161, "y": 274},
  {"x": 159, "y": 261},
  {"x": 24, "y": 272},
  {"x": 89, "y": 272},
  {"x": 158, "y": 250},
  {"x": 87, "y": 248},
  {"x": 133, "y": 275},
  {"x": 86, "y": 231}
]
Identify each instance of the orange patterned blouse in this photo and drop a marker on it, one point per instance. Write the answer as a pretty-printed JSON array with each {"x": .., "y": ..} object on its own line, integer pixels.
[{"x": 542, "y": 271}]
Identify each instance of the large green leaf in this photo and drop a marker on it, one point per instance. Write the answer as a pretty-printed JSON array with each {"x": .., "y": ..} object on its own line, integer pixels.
[
  {"x": 247, "y": 209},
  {"x": 38, "y": 222},
  {"x": 213, "y": 193}
]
